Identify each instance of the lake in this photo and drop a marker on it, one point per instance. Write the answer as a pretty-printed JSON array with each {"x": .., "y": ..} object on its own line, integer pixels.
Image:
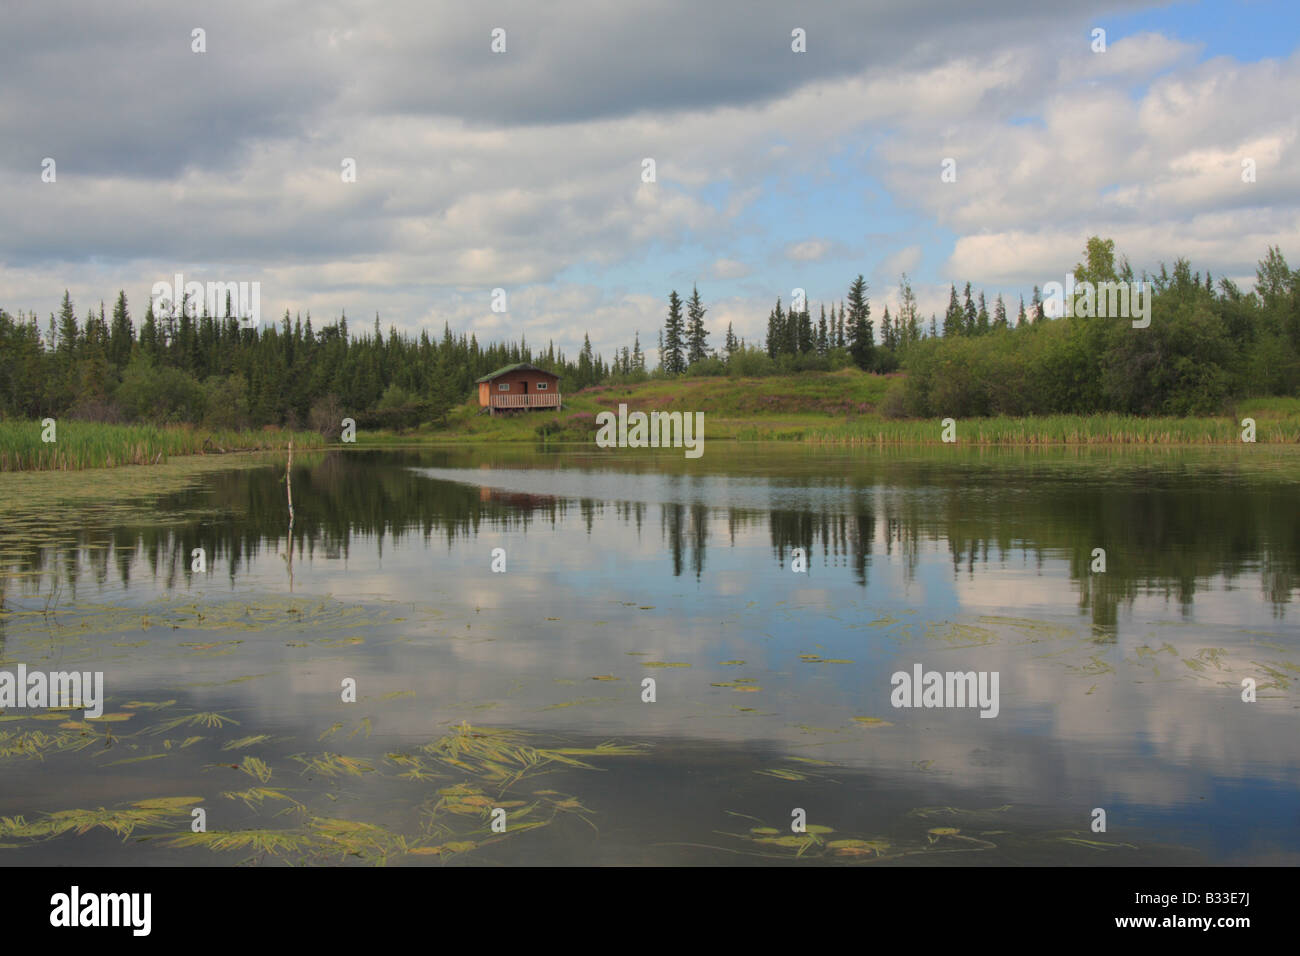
[{"x": 673, "y": 661}]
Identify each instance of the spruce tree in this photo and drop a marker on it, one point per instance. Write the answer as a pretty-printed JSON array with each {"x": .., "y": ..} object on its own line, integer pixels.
[
  {"x": 999, "y": 313},
  {"x": 807, "y": 342},
  {"x": 776, "y": 331},
  {"x": 906, "y": 328},
  {"x": 970, "y": 317},
  {"x": 697, "y": 344},
  {"x": 149, "y": 335},
  {"x": 68, "y": 335},
  {"x": 674, "y": 344},
  {"x": 122, "y": 335},
  {"x": 953, "y": 321},
  {"x": 860, "y": 335}
]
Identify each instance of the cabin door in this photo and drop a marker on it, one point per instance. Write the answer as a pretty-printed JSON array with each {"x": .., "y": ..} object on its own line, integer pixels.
[{"x": 524, "y": 385}]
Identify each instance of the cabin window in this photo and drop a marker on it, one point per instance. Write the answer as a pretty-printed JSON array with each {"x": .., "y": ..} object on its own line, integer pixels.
[
  {"x": 541, "y": 386},
  {"x": 503, "y": 387}
]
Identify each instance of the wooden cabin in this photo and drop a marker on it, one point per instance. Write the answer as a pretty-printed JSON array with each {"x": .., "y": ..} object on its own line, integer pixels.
[{"x": 519, "y": 387}]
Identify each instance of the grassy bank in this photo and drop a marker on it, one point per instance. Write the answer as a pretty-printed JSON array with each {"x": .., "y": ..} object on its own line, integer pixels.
[
  {"x": 1060, "y": 430},
  {"x": 80, "y": 445},
  {"x": 840, "y": 408}
]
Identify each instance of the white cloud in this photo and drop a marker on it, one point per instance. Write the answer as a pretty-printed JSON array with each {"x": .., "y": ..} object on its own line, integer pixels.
[
  {"x": 810, "y": 250},
  {"x": 729, "y": 269}
]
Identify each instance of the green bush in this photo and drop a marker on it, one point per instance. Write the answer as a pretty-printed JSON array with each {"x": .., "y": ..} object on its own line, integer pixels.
[
  {"x": 160, "y": 394},
  {"x": 226, "y": 400}
]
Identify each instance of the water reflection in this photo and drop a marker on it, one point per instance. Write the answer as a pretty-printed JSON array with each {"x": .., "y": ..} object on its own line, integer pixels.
[
  {"x": 1119, "y": 689},
  {"x": 1167, "y": 529}
]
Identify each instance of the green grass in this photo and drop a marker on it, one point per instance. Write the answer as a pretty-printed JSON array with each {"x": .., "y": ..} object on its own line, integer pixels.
[
  {"x": 80, "y": 445},
  {"x": 841, "y": 408},
  {"x": 1059, "y": 430},
  {"x": 786, "y": 406}
]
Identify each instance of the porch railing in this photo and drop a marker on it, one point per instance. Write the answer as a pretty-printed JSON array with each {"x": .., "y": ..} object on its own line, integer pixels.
[{"x": 525, "y": 400}]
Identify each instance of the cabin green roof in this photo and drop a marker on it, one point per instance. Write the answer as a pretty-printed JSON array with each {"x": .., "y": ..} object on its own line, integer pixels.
[{"x": 518, "y": 367}]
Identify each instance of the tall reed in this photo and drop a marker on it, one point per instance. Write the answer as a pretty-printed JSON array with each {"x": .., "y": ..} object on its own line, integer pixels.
[{"x": 80, "y": 445}]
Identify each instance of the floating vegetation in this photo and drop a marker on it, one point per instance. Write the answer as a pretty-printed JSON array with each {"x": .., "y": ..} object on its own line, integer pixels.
[
  {"x": 37, "y": 743},
  {"x": 367, "y": 841},
  {"x": 664, "y": 664},
  {"x": 333, "y": 765},
  {"x": 873, "y": 721},
  {"x": 204, "y": 719},
  {"x": 503, "y": 757},
  {"x": 256, "y": 768},
  {"x": 254, "y": 797},
  {"x": 744, "y": 685},
  {"x": 782, "y": 773},
  {"x": 265, "y": 842},
  {"x": 207, "y": 647},
  {"x": 468, "y": 800},
  {"x": 935, "y": 834},
  {"x": 581, "y": 701},
  {"x": 823, "y": 842},
  {"x": 135, "y": 759},
  {"x": 1279, "y": 681},
  {"x": 414, "y": 767},
  {"x": 958, "y": 635},
  {"x": 124, "y": 822},
  {"x": 927, "y": 812},
  {"x": 1096, "y": 844},
  {"x": 241, "y": 743},
  {"x": 312, "y": 618}
]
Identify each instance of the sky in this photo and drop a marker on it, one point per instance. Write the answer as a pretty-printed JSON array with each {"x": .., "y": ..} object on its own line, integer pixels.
[{"x": 524, "y": 170}]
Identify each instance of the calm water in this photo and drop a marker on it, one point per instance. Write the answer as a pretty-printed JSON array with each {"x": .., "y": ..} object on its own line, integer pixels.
[{"x": 523, "y": 690}]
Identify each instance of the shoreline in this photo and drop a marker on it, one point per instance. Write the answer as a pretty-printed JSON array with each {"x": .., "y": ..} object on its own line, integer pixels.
[{"x": 1043, "y": 433}]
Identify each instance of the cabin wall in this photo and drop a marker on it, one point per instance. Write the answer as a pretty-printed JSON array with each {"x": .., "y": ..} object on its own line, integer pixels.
[{"x": 516, "y": 381}]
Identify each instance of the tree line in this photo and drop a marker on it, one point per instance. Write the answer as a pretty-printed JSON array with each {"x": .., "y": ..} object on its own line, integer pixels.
[
  {"x": 180, "y": 367},
  {"x": 1207, "y": 344}
]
